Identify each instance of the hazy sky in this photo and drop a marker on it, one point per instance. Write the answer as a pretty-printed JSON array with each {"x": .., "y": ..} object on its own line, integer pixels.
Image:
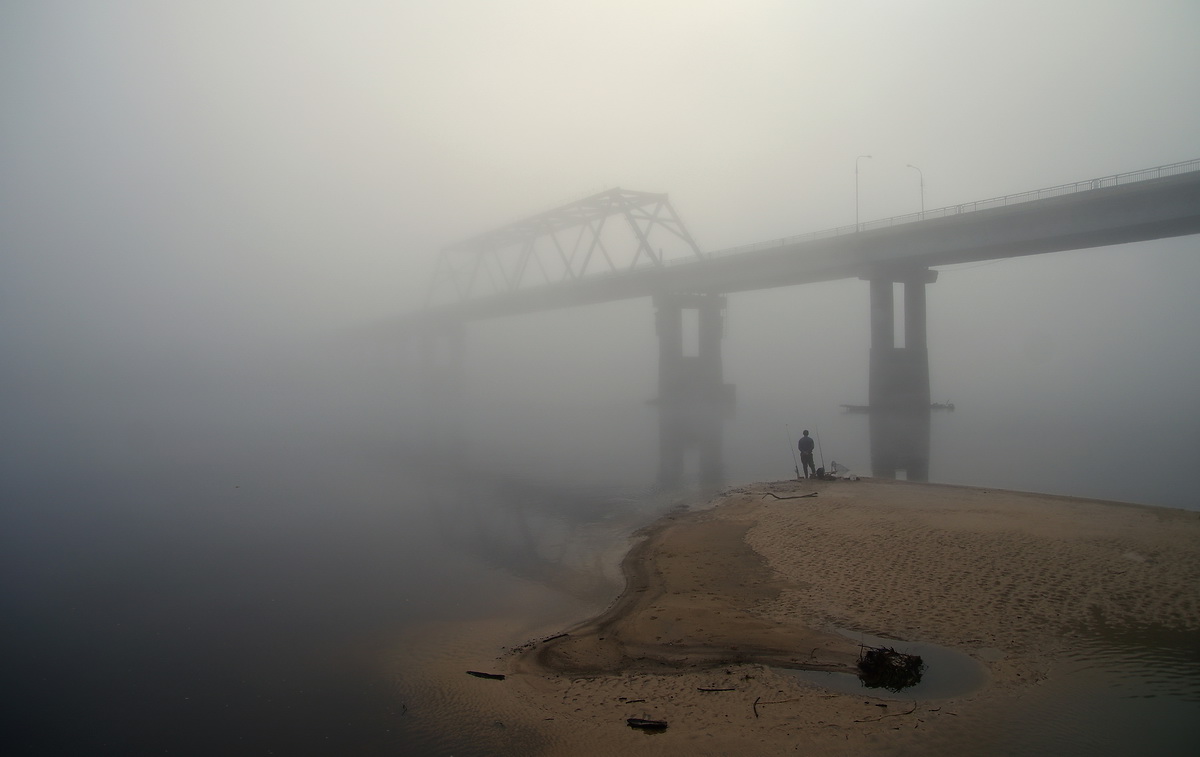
[{"x": 305, "y": 160}]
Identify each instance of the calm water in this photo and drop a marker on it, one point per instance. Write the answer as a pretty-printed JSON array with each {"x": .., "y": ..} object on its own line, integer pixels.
[
  {"x": 247, "y": 597},
  {"x": 250, "y": 602}
]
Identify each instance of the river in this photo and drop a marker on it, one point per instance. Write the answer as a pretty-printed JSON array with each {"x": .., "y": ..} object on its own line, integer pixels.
[{"x": 250, "y": 595}]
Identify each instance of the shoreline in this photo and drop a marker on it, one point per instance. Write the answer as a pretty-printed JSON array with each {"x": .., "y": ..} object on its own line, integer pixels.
[{"x": 717, "y": 600}]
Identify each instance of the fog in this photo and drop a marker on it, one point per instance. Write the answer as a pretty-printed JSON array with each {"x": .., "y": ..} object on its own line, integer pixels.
[
  {"x": 190, "y": 189},
  {"x": 208, "y": 208}
]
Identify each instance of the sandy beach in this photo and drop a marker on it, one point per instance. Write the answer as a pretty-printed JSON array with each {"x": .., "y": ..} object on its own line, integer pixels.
[{"x": 722, "y": 602}]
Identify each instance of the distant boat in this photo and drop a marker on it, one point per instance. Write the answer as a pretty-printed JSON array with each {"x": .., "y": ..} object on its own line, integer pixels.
[{"x": 867, "y": 408}]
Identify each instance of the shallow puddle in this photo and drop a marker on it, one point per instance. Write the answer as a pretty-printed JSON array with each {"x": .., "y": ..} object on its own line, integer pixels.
[{"x": 948, "y": 672}]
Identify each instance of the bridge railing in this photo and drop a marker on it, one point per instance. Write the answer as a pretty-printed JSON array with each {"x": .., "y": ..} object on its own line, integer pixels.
[{"x": 1131, "y": 177}]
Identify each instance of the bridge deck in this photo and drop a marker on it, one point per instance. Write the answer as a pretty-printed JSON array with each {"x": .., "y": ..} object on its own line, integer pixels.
[{"x": 1141, "y": 211}]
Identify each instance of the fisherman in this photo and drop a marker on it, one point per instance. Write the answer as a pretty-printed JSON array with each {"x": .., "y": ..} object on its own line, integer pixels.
[{"x": 806, "y": 446}]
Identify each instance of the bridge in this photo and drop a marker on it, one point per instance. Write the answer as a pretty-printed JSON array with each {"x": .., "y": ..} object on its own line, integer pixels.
[{"x": 562, "y": 258}]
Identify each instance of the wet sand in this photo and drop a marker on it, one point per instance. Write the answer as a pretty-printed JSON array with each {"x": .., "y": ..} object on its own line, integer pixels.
[{"x": 721, "y": 601}]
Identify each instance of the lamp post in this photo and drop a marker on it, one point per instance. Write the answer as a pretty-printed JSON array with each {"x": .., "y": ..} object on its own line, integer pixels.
[
  {"x": 922, "y": 175},
  {"x": 860, "y": 157}
]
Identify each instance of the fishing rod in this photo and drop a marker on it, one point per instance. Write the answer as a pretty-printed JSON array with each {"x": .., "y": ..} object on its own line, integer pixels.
[
  {"x": 817, "y": 434},
  {"x": 793, "y": 449}
]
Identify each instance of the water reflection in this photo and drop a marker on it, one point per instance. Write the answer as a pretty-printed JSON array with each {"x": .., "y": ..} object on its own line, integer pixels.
[
  {"x": 565, "y": 538},
  {"x": 900, "y": 441}
]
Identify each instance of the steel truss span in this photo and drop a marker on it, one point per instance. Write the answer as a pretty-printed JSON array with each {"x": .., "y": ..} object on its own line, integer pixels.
[{"x": 613, "y": 231}]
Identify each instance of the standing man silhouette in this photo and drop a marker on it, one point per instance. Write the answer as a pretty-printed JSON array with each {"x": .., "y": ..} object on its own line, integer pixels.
[{"x": 806, "y": 446}]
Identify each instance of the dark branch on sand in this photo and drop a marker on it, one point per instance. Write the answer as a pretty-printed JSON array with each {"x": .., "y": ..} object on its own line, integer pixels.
[{"x": 489, "y": 676}]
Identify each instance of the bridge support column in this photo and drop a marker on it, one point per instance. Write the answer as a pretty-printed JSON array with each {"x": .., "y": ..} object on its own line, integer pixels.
[
  {"x": 693, "y": 400},
  {"x": 899, "y": 378}
]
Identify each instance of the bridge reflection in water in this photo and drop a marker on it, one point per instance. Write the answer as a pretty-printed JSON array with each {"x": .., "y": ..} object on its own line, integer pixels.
[
  {"x": 900, "y": 441},
  {"x": 693, "y": 400},
  {"x": 566, "y": 537}
]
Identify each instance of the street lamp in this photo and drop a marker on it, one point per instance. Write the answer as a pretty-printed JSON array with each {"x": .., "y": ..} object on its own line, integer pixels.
[
  {"x": 860, "y": 157},
  {"x": 922, "y": 175}
]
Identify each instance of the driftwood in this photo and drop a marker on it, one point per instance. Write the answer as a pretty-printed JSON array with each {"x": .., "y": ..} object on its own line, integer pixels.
[
  {"x": 885, "y": 668},
  {"x": 489, "y": 676},
  {"x": 704, "y": 689},
  {"x": 647, "y": 725},
  {"x": 798, "y": 496}
]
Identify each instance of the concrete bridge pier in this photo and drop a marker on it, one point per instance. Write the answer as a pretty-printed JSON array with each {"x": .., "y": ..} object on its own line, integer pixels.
[
  {"x": 899, "y": 377},
  {"x": 693, "y": 400}
]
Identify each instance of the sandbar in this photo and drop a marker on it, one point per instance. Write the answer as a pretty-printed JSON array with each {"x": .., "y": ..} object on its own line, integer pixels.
[{"x": 721, "y": 601}]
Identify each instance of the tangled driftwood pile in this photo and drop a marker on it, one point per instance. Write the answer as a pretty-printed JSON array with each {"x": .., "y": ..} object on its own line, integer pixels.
[{"x": 885, "y": 668}]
